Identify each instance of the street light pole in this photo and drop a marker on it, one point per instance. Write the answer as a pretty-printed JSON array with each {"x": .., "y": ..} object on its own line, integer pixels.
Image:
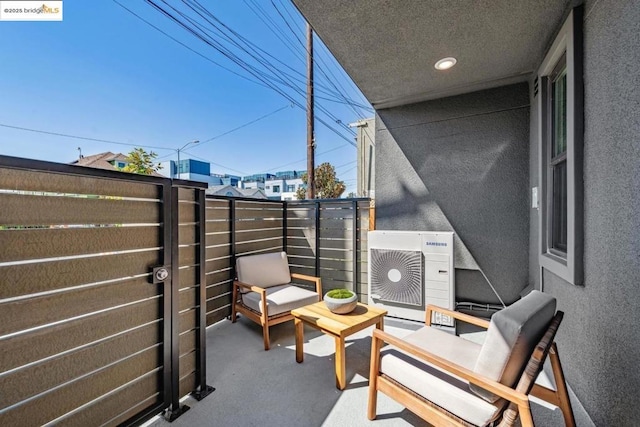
[{"x": 195, "y": 141}]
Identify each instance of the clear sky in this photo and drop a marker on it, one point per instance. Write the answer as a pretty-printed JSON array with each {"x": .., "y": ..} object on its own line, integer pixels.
[{"x": 103, "y": 73}]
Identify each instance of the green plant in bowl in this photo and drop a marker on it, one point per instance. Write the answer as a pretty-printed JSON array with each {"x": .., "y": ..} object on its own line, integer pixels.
[
  {"x": 341, "y": 301},
  {"x": 340, "y": 293}
]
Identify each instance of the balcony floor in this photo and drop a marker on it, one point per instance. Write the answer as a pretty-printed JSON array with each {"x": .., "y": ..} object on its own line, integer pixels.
[{"x": 268, "y": 388}]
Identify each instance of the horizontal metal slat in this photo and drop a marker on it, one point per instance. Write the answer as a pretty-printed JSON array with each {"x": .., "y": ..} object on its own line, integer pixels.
[
  {"x": 26, "y": 279},
  {"x": 218, "y": 315},
  {"x": 258, "y": 224},
  {"x": 272, "y": 245},
  {"x": 218, "y": 277},
  {"x": 58, "y": 307},
  {"x": 125, "y": 403},
  {"x": 218, "y": 264},
  {"x": 65, "y": 399},
  {"x": 24, "y": 349},
  {"x": 217, "y": 226},
  {"x": 20, "y": 385},
  {"x": 31, "y": 180},
  {"x": 243, "y": 236},
  {"x": 24, "y": 210},
  {"x": 17, "y": 245}
]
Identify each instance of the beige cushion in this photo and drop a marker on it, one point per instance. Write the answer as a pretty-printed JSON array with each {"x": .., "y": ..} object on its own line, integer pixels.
[
  {"x": 264, "y": 270},
  {"x": 447, "y": 391},
  {"x": 280, "y": 299},
  {"x": 511, "y": 339}
]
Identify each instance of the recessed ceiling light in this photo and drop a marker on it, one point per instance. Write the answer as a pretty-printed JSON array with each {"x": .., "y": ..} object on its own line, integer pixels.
[{"x": 445, "y": 63}]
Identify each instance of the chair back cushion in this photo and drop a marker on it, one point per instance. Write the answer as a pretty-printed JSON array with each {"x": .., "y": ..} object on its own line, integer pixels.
[
  {"x": 264, "y": 270},
  {"x": 511, "y": 338}
]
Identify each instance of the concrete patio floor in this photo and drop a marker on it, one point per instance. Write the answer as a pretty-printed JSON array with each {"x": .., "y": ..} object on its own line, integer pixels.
[{"x": 268, "y": 388}]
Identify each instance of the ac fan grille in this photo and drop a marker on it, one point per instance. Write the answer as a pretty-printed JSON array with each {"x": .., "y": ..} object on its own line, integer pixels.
[{"x": 406, "y": 270}]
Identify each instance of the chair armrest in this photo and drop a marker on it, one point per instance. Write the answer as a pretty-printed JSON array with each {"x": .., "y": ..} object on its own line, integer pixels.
[
  {"x": 316, "y": 280},
  {"x": 483, "y": 323},
  {"x": 249, "y": 287},
  {"x": 488, "y": 384}
]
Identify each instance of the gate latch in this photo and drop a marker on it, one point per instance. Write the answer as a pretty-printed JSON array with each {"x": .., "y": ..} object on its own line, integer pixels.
[{"x": 160, "y": 274}]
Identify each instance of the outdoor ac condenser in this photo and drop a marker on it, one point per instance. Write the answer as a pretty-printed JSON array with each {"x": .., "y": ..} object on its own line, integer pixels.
[{"x": 410, "y": 269}]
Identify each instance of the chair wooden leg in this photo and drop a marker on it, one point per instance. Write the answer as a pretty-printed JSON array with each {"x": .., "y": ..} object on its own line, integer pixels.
[
  {"x": 526, "y": 419},
  {"x": 265, "y": 336},
  {"x": 234, "y": 297},
  {"x": 374, "y": 370},
  {"x": 264, "y": 319},
  {"x": 561, "y": 387}
]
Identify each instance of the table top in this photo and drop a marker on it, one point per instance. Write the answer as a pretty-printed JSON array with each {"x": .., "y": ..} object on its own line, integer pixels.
[{"x": 319, "y": 316}]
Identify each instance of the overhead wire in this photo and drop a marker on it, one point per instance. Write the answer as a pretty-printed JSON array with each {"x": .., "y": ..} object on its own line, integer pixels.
[
  {"x": 255, "y": 47},
  {"x": 234, "y": 58},
  {"x": 342, "y": 91},
  {"x": 85, "y": 138},
  {"x": 199, "y": 9},
  {"x": 304, "y": 159},
  {"x": 186, "y": 46},
  {"x": 243, "y": 125},
  {"x": 320, "y": 68}
]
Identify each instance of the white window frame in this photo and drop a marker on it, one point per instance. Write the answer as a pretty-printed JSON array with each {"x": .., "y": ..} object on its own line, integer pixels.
[{"x": 568, "y": 266}]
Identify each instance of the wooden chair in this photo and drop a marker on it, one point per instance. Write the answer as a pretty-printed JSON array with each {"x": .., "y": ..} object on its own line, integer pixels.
[
  {"x": 450, "y": 381},
  {"x": 264, "y": 293}
]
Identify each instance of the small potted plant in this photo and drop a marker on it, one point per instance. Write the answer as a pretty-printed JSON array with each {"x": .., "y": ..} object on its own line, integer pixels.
[{"x": 341, "y": 301}]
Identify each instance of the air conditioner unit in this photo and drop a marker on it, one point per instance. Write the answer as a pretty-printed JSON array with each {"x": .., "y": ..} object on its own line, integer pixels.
[{"x": 410, "y": 269}]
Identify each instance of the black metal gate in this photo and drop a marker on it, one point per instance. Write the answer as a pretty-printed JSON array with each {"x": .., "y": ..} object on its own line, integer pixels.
[{"x": 89, "y": 335}]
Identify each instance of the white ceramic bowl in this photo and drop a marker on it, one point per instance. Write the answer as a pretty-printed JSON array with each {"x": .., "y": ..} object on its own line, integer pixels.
[{"x": 341, "y": 305}]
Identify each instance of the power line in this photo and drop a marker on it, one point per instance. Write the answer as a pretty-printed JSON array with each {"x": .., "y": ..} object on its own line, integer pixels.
[
  {"x": 305, "y": 159},
  {"x": 214, "y": 163},
  {"x": 185, "y": 46},
  {"x": 342, "y": 95},
  {"x": 243, "y": 64},
  {"x": 255, "y": 55},
  {"x": 244, "y": 125},
  {"x": 83, "y": 137}
]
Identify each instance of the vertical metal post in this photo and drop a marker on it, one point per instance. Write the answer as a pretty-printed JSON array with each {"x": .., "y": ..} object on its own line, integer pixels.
[
  {"x": 232, "y": 237},
  {"x": 355, "y": 240},
  {"x": 175, "y": 410},
  {"x": 202, "y": 389},
  {"x": 285, "y": 207},
  {"x": 166, "y": 293},
  {"x": 317, "y": 273}
]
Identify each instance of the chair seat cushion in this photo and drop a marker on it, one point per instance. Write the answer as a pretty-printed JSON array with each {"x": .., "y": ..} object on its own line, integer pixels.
[
  {"x": 447, "y": 391},
  {"x": 280, "y": 299}
]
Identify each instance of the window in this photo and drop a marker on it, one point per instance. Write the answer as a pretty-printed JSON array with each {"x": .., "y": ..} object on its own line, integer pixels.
[
  {"x": 560, "y": 118},
  {"x": 291, "y": 188},
  {"x": 276, "y": 188},
  {"x": 558, "y": 157}
]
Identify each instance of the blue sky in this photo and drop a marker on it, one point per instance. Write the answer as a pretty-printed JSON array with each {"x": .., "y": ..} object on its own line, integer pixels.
[{"x": 102, "y": 73}]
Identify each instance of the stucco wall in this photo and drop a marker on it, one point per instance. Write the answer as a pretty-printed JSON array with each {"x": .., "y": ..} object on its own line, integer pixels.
[
  {"x": 599, "y": 340},
  {"x": 461, "y": 164}
]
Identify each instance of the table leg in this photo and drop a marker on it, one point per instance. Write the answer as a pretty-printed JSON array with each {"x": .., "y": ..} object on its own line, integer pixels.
[
  {"x": 299, "y": 339},
  {"x": 341, "y": 371},
  {"x": 380, "y": 324}
]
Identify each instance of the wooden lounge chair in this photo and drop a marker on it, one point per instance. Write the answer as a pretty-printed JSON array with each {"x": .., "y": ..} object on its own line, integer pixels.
[
  {"x": 264, "y": 293},
  {"x": 450, "y": 381}
]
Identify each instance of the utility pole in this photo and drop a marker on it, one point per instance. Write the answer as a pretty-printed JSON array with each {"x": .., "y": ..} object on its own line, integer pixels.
[{"x": 310, "y": 118}]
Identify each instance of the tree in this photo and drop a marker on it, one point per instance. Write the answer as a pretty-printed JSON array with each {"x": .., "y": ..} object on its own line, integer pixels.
[
  {"x": 328, "y": 186},
  {"x": 141, "y": 162}
]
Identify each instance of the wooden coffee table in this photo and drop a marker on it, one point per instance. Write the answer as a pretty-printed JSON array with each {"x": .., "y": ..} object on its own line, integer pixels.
[{"x": 338, "y": 326}]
